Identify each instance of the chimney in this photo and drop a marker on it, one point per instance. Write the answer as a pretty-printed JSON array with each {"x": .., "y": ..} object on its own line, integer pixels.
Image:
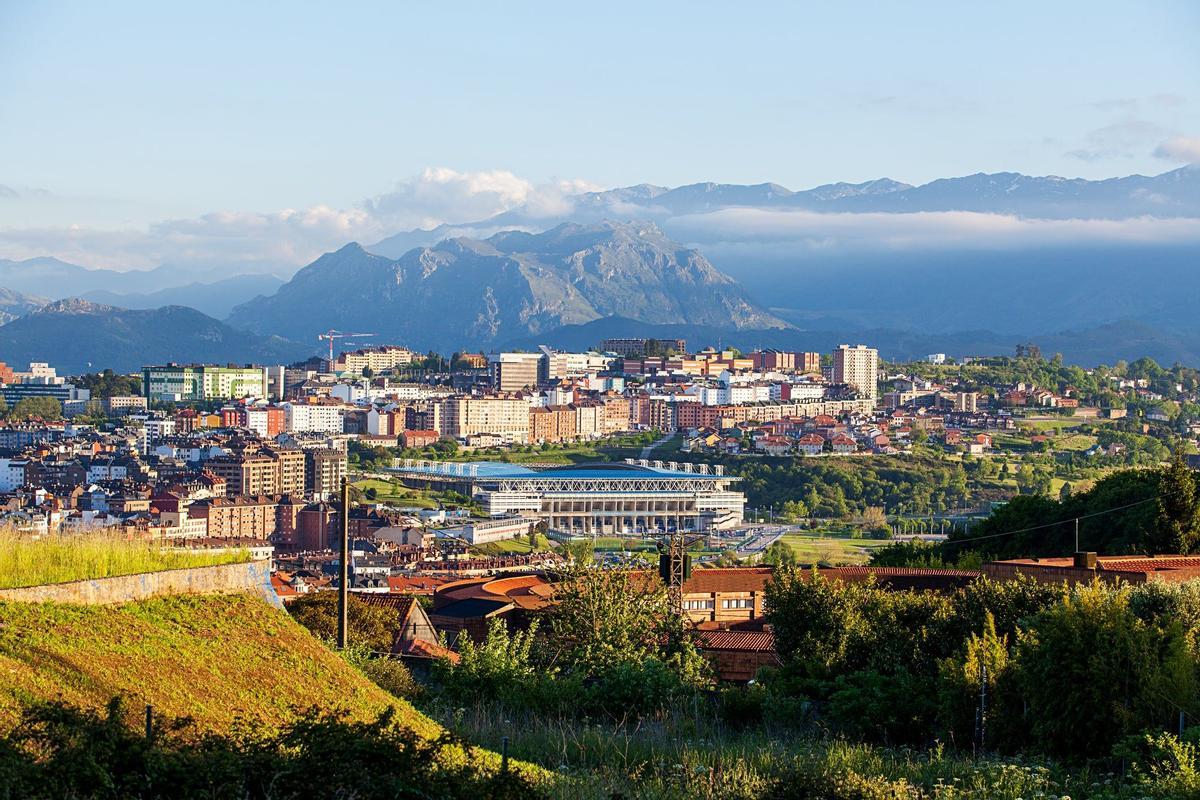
[{"x": 1085, "y": 559}]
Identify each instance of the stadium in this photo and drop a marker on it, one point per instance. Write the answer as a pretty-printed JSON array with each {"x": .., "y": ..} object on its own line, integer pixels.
[{"x": 633, "y": 498}]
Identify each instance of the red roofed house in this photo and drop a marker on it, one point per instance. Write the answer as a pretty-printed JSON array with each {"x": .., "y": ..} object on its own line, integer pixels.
[
  {"x": 811, "y": 444},
  {"x": 843, "y": 445}
]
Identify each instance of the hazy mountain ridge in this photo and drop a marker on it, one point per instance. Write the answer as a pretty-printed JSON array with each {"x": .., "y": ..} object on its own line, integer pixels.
[
  {"x": 16, "y": 304},
  {"x": 468, "y": 292},
  {"x": 1170, "y": 194},
  {"x": 78, "y": 335}
]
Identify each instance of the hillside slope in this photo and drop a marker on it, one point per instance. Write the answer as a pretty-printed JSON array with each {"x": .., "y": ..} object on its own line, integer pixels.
[{"x": 212, "y": 658}]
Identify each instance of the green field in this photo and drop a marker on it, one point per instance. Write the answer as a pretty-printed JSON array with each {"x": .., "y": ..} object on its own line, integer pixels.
[
  {"x": 395, "y": 494},
  {"x": 507, "y": 547},
  {"x": 812, "y": 547}
]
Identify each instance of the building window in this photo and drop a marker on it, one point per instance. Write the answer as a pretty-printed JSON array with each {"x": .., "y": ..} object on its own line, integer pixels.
[
  {"x": 738, "y": 602},
  {"x": 698, "y": 605}
]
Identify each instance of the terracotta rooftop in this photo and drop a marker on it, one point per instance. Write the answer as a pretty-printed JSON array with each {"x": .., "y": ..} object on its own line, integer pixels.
[{"x": 745, "y": 641}]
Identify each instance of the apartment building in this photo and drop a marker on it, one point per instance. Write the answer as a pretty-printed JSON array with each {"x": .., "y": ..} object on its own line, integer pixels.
[
  {"x": 265, "y": 472},
  {"x": 377, "y": 359},
  {"x": 324, "y": 471},
  {"x": 506, "y": 417},
  {"x": 313, "y": 417},
  {"x": 181, "y": 383},
  {"x": 857, "y": 366}
]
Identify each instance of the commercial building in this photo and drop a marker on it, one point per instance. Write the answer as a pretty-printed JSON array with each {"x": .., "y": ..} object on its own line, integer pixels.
[
  {"x": 182, "y": 383},
  {"x": 595, "y": 499},
  {"x": 857, "y": 366},
  {"x": 513, "y": 372}
]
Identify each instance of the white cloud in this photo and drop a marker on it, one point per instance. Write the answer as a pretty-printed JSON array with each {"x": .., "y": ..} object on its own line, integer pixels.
[
  {"x": 806, "y": 232},
  {"x": 293, "y": 237},
  {"x": 442, "y": 195},
  {"x": 1184, "y": 149}
]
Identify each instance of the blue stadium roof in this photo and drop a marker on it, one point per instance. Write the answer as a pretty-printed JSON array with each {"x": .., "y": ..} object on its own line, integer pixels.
[{"x": 498, "y": 470}]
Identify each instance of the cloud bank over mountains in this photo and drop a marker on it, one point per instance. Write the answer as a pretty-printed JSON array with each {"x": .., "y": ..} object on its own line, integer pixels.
[
  {"x": 290, "y": 237},
  {"x": 734, "y": 219}
]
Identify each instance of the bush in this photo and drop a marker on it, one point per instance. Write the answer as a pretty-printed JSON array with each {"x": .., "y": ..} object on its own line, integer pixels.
[{"x": 59, "y": 751}]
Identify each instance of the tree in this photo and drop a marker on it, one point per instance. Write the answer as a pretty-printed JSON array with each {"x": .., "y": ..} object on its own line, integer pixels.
[
  {"x": 1177, "y": 526},
  {"x": 1087, "y": 672},
  {"x": 779, "y": 553},
  {"x": 580, "y": 552},
  {"x": 606, "y": 619},
  {"x": 372, "y": 627},
  {"x": 45, "y": 408}
]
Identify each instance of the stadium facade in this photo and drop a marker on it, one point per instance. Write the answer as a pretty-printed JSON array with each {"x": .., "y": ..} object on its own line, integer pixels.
[{"x": 604, "y": 499}]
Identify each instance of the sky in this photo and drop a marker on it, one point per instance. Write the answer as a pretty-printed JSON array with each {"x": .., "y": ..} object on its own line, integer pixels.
[{"x": 137, "y": 133}]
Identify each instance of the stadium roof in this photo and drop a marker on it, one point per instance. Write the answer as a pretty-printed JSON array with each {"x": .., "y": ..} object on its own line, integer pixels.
[{"x": 614, "y": 470}]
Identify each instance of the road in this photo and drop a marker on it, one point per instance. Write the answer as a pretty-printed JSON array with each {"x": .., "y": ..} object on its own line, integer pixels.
[
  {"x": 648, "y": 449},
  {"x": 762, "y": 539}
]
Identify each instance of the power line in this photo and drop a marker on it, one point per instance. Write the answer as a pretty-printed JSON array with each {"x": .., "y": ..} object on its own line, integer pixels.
[{"x": 1051, "y": 524}]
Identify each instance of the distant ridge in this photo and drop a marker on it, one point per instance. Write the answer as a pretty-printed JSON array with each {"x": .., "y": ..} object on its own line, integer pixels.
[
  {"x": 77, "y": 335},
  {"x": 467, "y": 292}
]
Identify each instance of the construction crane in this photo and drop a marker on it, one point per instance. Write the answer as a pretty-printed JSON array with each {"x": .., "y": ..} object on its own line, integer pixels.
[{"x": 331, "y": 335}]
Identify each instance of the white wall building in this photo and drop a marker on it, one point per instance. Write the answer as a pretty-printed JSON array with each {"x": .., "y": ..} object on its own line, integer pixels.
[{"x": 305, "y": 418}]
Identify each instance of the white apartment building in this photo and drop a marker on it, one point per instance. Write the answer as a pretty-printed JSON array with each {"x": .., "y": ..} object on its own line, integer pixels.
[
  {"x": 306, "y": 417},
  {"x": 153, "y": 431},
  {"x": 12, "y": 473},
  {"x": 377, "y": 359},
  {"x": 857, "y": 366}
]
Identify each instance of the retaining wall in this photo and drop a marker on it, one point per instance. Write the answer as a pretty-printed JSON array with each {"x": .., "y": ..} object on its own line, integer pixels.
[{"x": 249, "y": 577}]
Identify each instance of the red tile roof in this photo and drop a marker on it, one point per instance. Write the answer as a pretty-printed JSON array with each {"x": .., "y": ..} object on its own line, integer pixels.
[{"x": 745, "y": 641}]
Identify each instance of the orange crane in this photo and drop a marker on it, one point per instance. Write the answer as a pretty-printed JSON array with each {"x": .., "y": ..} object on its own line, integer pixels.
[{"x": 331, "y": 335}]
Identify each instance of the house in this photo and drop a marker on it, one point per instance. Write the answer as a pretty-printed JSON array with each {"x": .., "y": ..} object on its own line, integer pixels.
[
  {"x": 811, "y": 444},
  {"x": 843, "y": 445},
  {"x": 412, "y": 623},
  {"x": 774, "y": 445}
]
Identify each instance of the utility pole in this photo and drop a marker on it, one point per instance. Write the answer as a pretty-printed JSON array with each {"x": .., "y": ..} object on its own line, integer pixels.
[
  {"x": 344, "y": 568},
  {"x": 1077, "y": 534}
]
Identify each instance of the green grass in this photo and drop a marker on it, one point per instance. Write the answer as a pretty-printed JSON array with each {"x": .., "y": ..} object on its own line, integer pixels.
[
  {"x": 519, "y": 546},
  {"x": 690, "y": 752},
  {"x": 212, "y": 658},
  {"x": 1076, "y": 443},
  {"x": 25, "y": 561},
  {"x": 812, "y": 547},
  {"x": 396, "y": 494}
]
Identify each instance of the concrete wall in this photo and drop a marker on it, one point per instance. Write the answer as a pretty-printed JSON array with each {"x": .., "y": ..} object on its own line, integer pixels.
[{"x": 252, "y": 577}]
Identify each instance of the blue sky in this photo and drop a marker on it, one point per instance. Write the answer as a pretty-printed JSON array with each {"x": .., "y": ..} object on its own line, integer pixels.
[{"x": 115, "y": 116}]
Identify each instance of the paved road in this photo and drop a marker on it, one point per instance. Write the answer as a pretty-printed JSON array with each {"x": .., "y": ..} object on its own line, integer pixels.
[
  {"x": 761, "y": 541},
  {"x": 646, "y": 451}
]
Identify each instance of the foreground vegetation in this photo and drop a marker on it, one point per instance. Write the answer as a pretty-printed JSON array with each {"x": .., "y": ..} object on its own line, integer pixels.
[
  {"x": 876, "y": 697},
  {"x": 214, "y": 659},
  {"x": 25, "y": 561}
]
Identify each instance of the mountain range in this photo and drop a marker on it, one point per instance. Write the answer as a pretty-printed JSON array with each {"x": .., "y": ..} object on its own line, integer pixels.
[
  {"x": 1171, "y": 194},
  {"x": 467, "y": 293},
  {"x": 79, "y": 336},
  {"x": 1097, "y": 270}
]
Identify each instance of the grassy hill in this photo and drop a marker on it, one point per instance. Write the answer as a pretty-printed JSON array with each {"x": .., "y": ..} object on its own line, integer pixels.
[{"x": 212, "y": 658}]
